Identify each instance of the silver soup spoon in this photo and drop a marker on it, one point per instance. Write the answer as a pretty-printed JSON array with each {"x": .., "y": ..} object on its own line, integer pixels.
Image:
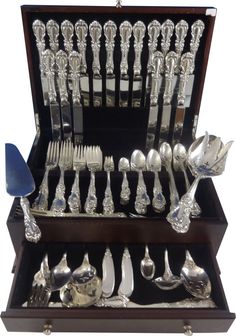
[{"x": 147, "y": 266}]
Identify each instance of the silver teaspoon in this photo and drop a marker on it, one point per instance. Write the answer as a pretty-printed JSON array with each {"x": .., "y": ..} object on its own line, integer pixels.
[
  {"x": 147, "y": 266},
  {"x": 124, "y": 167}
]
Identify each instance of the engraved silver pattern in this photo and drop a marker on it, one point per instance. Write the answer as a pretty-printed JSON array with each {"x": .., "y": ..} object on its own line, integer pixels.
[
  {"x": 53, "y": 34},
  {"x": 62, "y": 63},
  {"x": 48, "y": 65},
  {"x": 170, "y": 67},
  {"x": 158, "y": 63},
  {"x": 108, "y": 203},
  {"x": 125, "y": 34},
  {"x": 67, "y": 30},
  {"x": 139, "y": 29},
  {"x": 181, "y": 30},
  {"x": 167, "y": 30},
  {"x": 74, "y": 70},
  {"x": 154, "y": 29},
  {"x": 197, "y": 29},
  {"x": 110, "y": 29},
  {"x": 186, "y": 69},
  {"x": 32, "y": 231},
  {"x": 95, "y": 31},
  {"x": 39, "y": 33},
  {"x": 81, "y": 30}
]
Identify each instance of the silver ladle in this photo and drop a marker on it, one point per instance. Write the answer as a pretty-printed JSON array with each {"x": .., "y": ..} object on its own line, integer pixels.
[{"x": 147, "y": 266}]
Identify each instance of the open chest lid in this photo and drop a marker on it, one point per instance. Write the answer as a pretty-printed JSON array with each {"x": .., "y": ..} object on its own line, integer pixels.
[{"x": 118, "y": 77}]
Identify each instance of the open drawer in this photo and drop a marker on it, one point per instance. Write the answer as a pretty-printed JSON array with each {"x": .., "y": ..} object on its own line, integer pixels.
[{"x": 141, "y": 319}]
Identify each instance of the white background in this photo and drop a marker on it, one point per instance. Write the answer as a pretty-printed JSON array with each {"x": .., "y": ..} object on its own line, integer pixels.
[{"x": 217, "y": 115}]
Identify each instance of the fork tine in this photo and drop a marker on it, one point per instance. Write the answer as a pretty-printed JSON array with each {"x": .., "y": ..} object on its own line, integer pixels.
[{"x": 49, "y": 151}]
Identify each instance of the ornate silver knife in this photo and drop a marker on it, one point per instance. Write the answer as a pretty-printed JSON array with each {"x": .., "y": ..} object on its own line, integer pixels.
[
  {"x": 81, "y": 30},
  {"x": 125, "y": 34},
  {"x": 62, "y": 63},
  {"x": 110, "y": 33},
  {"x": 39, "y": 30},
  {"x": 139, "y": 29},
  {"x": 181, "y": 30},
  {"x": 53, "y": 34},
  {"x": 48, "y": 63},
  {"x": 67, "y": 30},
  {"x": 170, "y": 66},
  {"x": 156, "y": 80},
  {"x": 154, "y": 29},
  {"x": 74, "y": 66},
  {"x": 167, "y": 30},
  {"x": 95, "y": 31},
  {"x": 186, "y": 69}
]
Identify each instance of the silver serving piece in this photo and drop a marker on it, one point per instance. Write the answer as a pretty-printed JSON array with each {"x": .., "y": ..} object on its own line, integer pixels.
[
  {"x": 39, "y": 30},
  {"x": 156, "y": 81},
  {"x": 147, "y": 266},
  {"x": 125, "y": 34},
  {"x": 48, "y": 64},
  {"x": 41, "y": 202},
  {"x": 139, "y": 29},
  {"x": 108, "y": 204},
  {"x": 95, "y": 31},
  {"x": 85, "y": 272},
  {"x": 206, "y": 158},
  {"x": 62, "y": 64},
  {"x": 108, "y": 274},
  {"x": 167, "y": 29},
  {"x": 59, "y": 274},
  {"x": 124, "y": 167},
  {"x": 181, "y": 30},
  {"x": 67, "y": 30},
  {"x": 170, "y": 68},
  {"x": 81, "y": 30},
  {"x": 110, "y": 34},
  {"x": 74, "y": 71}
]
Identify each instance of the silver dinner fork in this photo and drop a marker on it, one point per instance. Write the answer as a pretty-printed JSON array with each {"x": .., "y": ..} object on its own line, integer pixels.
[
  {"x": 94, "y": 163},
  {"x": 41, "y": 202},
  {"x": 65, "y": 162},
  {"x": 108, "y": 204},
  {"x": 79, "y": 163}
]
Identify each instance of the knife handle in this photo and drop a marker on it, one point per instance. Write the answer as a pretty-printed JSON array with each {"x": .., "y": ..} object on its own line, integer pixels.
[
  {"x": 167, "y": 30},
  {"x": 171, "y": 63},
  {"x": 154, "y": 29},
  {"x": 39, "y": 30},
  {"x": 139, "y": 29},
  {"x": 125, "y": 34},
  {"x": 67, "y": 30},
  {"x": 62, "y": 62},
  {"x": 197, "y": 29},
  {"x": 186, "y": 69},
  {"x": 181, "y": 30},
  {"x": 48, "y": 63},
  {"x": 74, "y": 64},
  {"x": 110, "y": 29},
  {"x": 81, "y": 30},
  {"x": 32, "y": 231},
  {"x": 95, "y": 30},
  {"x": 158, "y": 63},
  {"x": 53, "y": 33}
]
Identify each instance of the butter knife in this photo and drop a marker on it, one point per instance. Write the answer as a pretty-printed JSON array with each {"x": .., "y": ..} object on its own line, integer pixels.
[
  {"x": 62, "y": 63},
  {"x": 53, "y": 34},
  {"x": 170, "y": 68},
  {"x": 186, "y": 69},
  {"x": 167, "y": 29},
  {"x": 95, "y": 31},
  {"x": 48, "y": 62},
  {"x": 39, "y": 30},
  {"x": 74, "y": 70},
  {"x": 139, "y": 29},
  {"x": 108, "y": 277},
  {"x": 110, "y": 29},
  {"x": 125, "y": 34},
  {"x": 156, "y": 81},
  {"x": 81, "y": 30}
]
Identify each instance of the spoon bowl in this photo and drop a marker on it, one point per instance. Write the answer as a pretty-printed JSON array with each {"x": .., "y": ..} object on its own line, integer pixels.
[
  {"x": 60, "y": 274},
  {"x": 147, "y": 266},
  {"x": 85, "y": 272}
]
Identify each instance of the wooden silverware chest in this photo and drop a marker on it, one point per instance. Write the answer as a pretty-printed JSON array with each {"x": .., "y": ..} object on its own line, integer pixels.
[{"x": 118, "y": 130}]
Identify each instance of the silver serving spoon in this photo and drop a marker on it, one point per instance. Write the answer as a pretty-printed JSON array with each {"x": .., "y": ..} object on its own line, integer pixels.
[
  {"x": 147, "y": 266},
  {"x": 179, "y": 164},
  {"x": 195, "y": 279},
  {"x": 154, "y": 165},
  {"x": 138, "y": 163},
  {"x": 60, "y": 274},
  {"x": 85, "y": 272},
  {"x": 168, "y": 281},
  {"x": 124, "y": 167}
]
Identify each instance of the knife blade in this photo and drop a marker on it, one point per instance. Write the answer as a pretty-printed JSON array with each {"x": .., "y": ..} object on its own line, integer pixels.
[
  {"x": 154, "y": 29},
  {"x": 95, "y": 31},
  {"x": 48, "y": 62},
  {"x": 108, "y": 271},
  {"x": 74, "y": 65},
  {"x": 125, "y": 34},
  {"x": 62, "y": 63},
  {"x": 39, "y": 30},
  {"x": 186, "y": 69},
  {"x": 110, "y": 29},
  {"x": 156, "y": 82},
  {"x": 81, "y": 30},
  {"x": 139, "y": 29},
  {"x": 20, "y": 183},
  {"x": 170, "y": 66},
  {"x": 127, "y": 277}
]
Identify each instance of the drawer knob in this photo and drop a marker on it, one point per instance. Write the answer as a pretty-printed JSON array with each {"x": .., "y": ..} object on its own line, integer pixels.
[
  {"x": 188, "y": 330},
  {"x": 47, "y": 329}
]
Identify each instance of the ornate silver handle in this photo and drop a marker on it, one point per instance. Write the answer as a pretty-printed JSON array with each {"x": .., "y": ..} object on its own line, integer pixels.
[
  {"x": 81, "y": 30},
  {"x": 158, "y": 201},
  {"x": 142, "y": 199},
  {"x": 67, "y": 30},
  {"x": 59, "y": 202},
  {"x": 139, "y": 29},
  {"x": 48, "y": 64},
  {"x": 95, "y": 31},
  {"x": 108, "y": 204},
  {"x": 154, "y": 29},
  {"x": 125, "y": 34},
  {"x": 171, "y": 63},
  {"x": 181, "y": 30},
  {"x": 53, "y": 33},
  {"x": 186, "y": 69},
  {"x": 91, "y": 200},
  {"x": 62, "y": 62},
  {"x": 110, "y": 33},
  {"x": 74, "y": 198},
  {"x": 167, "y": 30},
  {"x": 125, "y": 190},
  {"x": 32, "y": 231},
  {"x": 41, "y": 201},
  {"x": 74, "y": 64},
  {"x": 197, "y": 29},
  {"x": 158, "y": 63},
  {"x": 39, "y": 30}
]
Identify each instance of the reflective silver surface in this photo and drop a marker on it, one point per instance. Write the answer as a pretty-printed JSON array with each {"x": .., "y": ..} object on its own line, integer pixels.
[
  {"x": 85, "y": 272},
  {"x": 60, "y": 274},
  {"x": 67, "y": 30},
  {"x": 167, "y": 29},
  {"x": 53, "y": 34},
  {"x": 108, "y": 203},
  {"x": 147, "y": 266},
  {"x": 124, "y": 167},
  {"x": 108, "y": 274}
]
